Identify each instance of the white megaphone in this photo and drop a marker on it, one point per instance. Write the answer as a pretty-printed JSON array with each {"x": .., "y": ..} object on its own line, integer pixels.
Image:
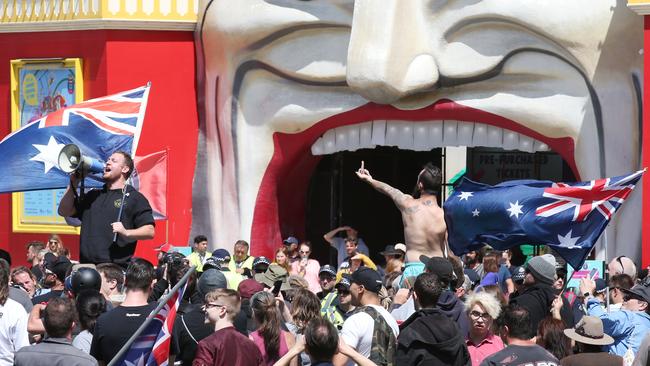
[{"x": 71, "y": 159}]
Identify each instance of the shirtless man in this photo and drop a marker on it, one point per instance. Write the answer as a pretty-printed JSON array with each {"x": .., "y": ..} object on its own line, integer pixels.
[{"x": 425, "y": 231}]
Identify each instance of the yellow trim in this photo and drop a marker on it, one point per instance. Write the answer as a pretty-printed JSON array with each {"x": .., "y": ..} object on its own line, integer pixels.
[
  {"x": 39, "y": 224},
  {"x": 66, "y": 17}
]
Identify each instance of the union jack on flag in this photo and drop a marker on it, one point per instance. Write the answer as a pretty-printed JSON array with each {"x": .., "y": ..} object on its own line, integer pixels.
[
  {"x": 151, "y": 348},
  {"x": 567, "y": 217},
  {"x": 98, "y": 126},
  {"x": 601, "y": 195}
]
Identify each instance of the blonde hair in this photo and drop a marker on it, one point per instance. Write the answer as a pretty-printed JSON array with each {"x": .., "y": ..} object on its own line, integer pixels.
[
  {"x": 486, "y": 300},
  {"x": 284, "y": 265},
  {"x": 230, "y": 299}
]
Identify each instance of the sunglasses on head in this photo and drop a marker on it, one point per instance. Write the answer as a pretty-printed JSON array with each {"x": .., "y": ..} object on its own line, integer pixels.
[{"x": 618, "y": 259}]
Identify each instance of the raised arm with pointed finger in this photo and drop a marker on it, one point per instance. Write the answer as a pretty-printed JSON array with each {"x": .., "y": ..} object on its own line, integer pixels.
[{"x": 395, "y": 194}]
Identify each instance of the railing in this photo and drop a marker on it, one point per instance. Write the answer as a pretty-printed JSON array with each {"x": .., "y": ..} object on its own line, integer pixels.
[{"x": 36, "y": 15}]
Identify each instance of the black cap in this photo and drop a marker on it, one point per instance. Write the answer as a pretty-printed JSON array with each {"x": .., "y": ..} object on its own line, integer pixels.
[
  {"x": 59, "y": 267},
  {"x": 344, "y": 283},
  {"x": 368, "y": 278},
  {"x": 438, "y": 266},
  {"x": 327, "y": 269},
  {"x": 389, "y": 250}
]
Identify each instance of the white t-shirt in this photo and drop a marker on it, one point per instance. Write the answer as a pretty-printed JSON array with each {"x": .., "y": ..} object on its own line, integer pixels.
[
  {"x": 357, "y": 330},
  {"x": 13, "y": 331}
]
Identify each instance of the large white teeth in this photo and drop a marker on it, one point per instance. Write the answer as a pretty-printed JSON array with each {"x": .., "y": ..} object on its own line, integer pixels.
[{"x": 422, "y": 136}]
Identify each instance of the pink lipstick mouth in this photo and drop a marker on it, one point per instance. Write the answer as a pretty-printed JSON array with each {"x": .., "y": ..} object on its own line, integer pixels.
[{"x": 281, "y": 200}]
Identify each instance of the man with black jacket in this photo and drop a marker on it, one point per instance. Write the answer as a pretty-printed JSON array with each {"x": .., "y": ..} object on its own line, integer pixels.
[
  {"x": 538, "y": 294},
  {"x": 429, "y": 337}
]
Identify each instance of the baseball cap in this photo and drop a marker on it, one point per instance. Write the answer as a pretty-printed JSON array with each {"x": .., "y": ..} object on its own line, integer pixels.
[
  {"x": 261, "y": 260},
  {"x": 368, "y": 278},
  {"x": 212, "y": 262},
  {"x": 211, "y": 279},
  {"x": 165, "y": 247},
  {"x": 399, "y": 247},
  {"x": 327, "y": 269},
  {"x": 519, "y": 274},
  {"x": 222, "y": 255},
  {"x": 388, "y": 250},
  {"x": 59, "y": 267},
  {"x": 490, "y": 278},
  {"x": 438, "y": 266},
  {"x": 344, "y": 283},
  {"x": 601, "y": 285},
  {"x": 290, "y": 240},
  {"x": 249, "y": 287}
]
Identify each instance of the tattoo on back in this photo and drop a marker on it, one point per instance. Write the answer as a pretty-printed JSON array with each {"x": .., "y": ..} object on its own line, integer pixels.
[
  {"x": 428, "y": 203},
  {"x": 413, "y": 209}
]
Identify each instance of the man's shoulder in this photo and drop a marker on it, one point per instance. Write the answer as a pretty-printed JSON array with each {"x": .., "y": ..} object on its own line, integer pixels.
[
  {"x": 60, "y": 349},
  {"x": 533, "y": 353}
]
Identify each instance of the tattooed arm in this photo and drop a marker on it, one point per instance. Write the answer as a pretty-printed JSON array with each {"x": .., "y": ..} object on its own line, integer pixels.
[{"x": 395, "y": 194}]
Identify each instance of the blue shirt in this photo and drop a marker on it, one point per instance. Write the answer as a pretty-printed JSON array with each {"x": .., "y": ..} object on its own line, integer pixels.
[
  {"x": 339, "y": 244},
  {"x": 503, "y": 275},
  {"x": 628, "y": 328}
]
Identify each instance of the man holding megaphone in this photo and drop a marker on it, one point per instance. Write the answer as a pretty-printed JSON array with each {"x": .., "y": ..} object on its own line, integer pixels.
[{"x": 113, "y": 218}]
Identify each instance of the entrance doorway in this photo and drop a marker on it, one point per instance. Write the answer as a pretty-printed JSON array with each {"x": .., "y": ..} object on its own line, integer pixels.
[{"x": 336, "y": 197}]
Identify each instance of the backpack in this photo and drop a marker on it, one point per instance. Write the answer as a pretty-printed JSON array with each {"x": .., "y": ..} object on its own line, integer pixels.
[{"x": 384, "y": 341}]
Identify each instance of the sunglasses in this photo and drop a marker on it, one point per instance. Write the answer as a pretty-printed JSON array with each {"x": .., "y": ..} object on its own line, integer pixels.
[
  {"x": 618, "y": 259},
  {"x": 210, "y": 306},
  {"x": 304, "y": 252}
]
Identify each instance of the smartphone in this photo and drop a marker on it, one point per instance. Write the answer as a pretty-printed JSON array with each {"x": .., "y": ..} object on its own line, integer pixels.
[
  {"x": 593, "y": 273},
  {"x": 276, "y": 287}
]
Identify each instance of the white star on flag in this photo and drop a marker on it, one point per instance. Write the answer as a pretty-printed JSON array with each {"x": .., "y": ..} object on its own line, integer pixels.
[
  {"x": 48, "y": 154},
  {"x": 567, "y": 241},
  {"x": 475, "y": 212},
  {"x": 515, "y": 209},
  {"x": 465, "y": 195}
]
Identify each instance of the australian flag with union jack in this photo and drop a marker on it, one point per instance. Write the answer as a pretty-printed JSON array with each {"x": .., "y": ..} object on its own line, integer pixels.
[
  {"x": 98, "y": 126},
  {"x": 567, "y": 217}
]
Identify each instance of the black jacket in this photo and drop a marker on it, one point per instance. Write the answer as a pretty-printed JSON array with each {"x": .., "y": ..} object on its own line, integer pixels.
[
  {"x": 429, "y": 337},
  {"x": 538, "y": 299},
  {"x": 450, "y": 305}
]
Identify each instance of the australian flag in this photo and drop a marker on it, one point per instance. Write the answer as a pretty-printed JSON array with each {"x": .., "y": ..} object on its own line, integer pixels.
[
  {"x": 567, "y": 217},
  {"x": 98, "y": 126},
  {"x": 151, "y": 348}
]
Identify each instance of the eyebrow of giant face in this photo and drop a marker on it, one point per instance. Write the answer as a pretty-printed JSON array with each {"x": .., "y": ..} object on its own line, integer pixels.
[{"x": 276, "y": 20}]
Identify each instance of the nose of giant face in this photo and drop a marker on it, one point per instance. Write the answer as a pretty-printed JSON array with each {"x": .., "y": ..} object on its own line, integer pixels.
[{"x": 390, "y": 52}]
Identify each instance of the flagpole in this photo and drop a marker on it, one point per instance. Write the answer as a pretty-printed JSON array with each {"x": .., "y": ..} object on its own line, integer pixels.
[
  {"x": 606, "y": 261},
  {"x": 152, "y": 315}
]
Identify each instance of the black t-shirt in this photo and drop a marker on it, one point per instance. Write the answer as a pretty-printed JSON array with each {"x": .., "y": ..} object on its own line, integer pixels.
[
  {"x": 115, "y": 327},
  {"x": 514, "y": 355},
  {"x": 189, "y": 329},
  {"x": 97, "y": 211}
]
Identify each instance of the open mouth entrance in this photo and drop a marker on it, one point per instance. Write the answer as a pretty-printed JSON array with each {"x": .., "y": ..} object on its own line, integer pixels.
[{"x": 336, "y": 197}]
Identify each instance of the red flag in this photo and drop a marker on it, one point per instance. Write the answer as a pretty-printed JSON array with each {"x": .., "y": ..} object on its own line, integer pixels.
[{"x": 150, "y": 179}]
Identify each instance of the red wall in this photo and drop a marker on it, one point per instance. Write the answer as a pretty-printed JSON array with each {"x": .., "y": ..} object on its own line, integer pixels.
[
  {"x": 116, "y": 60},
  {"x": 645, "y": 222}
]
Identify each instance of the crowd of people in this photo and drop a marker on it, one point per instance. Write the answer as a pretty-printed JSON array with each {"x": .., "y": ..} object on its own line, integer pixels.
[{"x": 488, "y": 308}]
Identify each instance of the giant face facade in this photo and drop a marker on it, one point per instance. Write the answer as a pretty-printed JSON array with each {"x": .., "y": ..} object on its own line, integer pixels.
[{"x": 282, "y": 82}]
